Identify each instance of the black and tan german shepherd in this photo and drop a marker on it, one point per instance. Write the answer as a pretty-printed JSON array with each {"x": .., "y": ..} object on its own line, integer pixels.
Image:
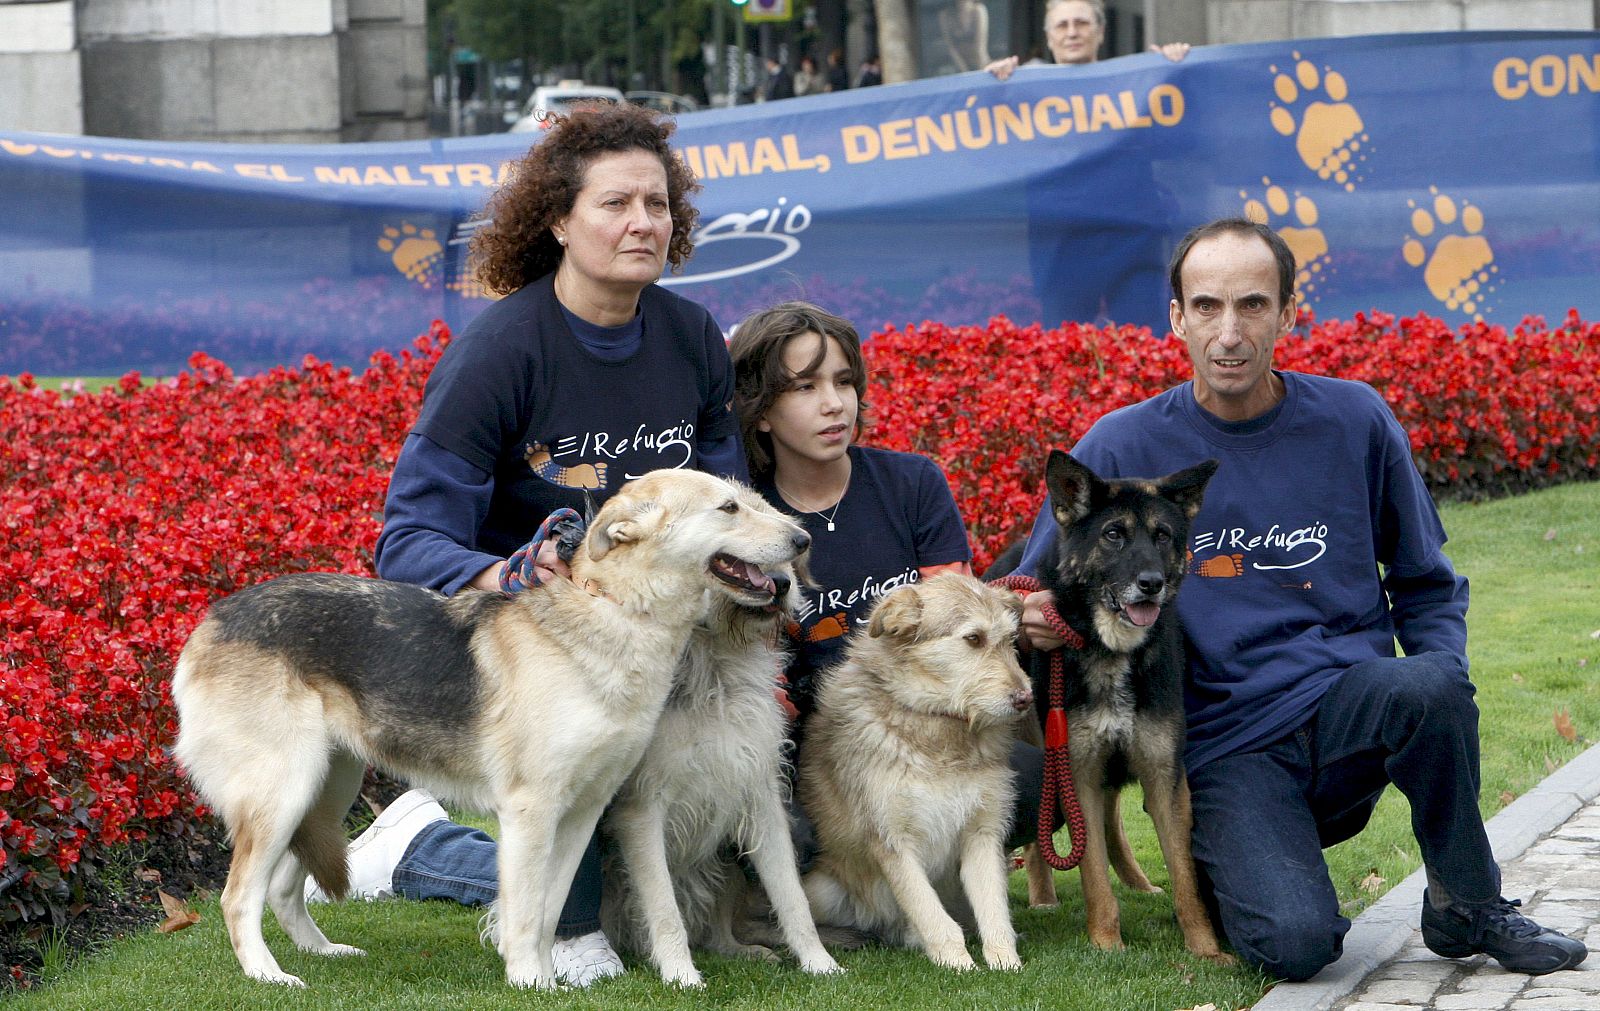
[{"x": 1114, "y": 571}]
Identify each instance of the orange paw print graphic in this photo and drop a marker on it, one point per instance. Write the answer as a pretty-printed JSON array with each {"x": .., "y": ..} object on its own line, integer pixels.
[
  {"x": 1459, "y": 267},
  {"x": 1329, "y": 135},
  {"x": 466, "y": 284},
  {"x": 1296, "y": 221},
  {"x": 831, "y": 627},
  {"x": 582, "y": 476},
  {"x": 1218, "y": 567},
  {"x": 415, "y": 252}
]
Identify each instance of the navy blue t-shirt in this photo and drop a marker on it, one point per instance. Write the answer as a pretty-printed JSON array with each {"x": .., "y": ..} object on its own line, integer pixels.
[
  {"x": 523, "y": 406},
  {"x": 1316, "y": 546},
  {"x": 896, "y": 517}
]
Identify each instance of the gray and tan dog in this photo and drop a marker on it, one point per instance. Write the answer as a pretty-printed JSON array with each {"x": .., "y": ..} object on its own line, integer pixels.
[
  {"x": 905, "y": 771},
  {"x": 533, "y": 707},
  {"x": 711, "y": 777}
]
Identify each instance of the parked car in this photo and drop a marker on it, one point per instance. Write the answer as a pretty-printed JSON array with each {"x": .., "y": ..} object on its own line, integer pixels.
[
  {"x": 559, "y": 98},
  {"x": 664, "y": 101}
]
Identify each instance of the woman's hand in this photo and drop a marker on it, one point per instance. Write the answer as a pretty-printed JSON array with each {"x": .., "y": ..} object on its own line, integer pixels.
[
  {"x": 547, "y": 565},
  {"x": 1003, "y": 68}
]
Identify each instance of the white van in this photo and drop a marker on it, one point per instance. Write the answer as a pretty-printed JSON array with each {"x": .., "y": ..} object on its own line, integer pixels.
[{"x": 560, "y": 98}]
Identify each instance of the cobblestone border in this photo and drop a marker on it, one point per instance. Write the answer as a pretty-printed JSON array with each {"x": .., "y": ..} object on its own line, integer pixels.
[{"x": 1380, "y": 932}]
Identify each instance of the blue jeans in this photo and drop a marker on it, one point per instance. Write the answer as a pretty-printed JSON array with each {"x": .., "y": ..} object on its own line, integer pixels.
[
  {"x": 1262, "y": 818},
  {"x": 451, "y": 861}
]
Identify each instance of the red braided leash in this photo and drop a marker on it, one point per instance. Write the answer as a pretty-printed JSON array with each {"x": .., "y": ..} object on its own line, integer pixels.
[{"x": 1057, "y": 761}]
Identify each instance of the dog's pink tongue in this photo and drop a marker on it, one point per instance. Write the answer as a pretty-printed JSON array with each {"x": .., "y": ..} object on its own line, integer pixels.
[
  {"x": 758, "y": 578},
  {"x": 1143, "y": 614}
]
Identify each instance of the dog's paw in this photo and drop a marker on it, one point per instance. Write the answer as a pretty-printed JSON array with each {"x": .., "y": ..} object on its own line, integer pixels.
[
  {"x": 1001, "y": 958},
  {"x": 277, "y": 976},
  {"x": 687, "y": 978},
  {"x": 1216, "y": 957},
  {"x": 532, "y": 980},
  {"x": 1107, "y": 942},
  {"x": 958, "y": 959},
  {"x": 822, "y": 966},
  {"x": 332, "y": 950}
]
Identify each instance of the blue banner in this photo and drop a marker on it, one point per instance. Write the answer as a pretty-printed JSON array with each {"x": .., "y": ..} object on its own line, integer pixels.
[{"x": 1454, "y": 174}]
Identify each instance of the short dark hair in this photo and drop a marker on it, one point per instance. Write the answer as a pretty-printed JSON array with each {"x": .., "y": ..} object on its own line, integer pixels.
[
  {"x": 760, "y": 377},
  {"x": 1238, "y": 226}
]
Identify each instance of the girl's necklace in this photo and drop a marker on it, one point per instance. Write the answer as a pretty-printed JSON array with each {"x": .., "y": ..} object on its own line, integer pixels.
[{"x": 795, "y": 500}]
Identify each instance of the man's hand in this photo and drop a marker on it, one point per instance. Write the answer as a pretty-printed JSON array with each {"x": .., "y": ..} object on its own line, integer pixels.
[
  {"x": 1035, "y": 630},
  {"x": 1003, "y": 68},
  {"x": 1174, "y": 51}
]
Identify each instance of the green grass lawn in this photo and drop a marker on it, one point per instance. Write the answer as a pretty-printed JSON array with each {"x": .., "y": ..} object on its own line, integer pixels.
[
  {"x": 88, "y": 384},
  {"x": 1534, "y": 562}
]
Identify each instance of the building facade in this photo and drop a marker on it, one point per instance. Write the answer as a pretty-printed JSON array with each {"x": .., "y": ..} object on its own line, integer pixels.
[{"x": 272, "y": 71}]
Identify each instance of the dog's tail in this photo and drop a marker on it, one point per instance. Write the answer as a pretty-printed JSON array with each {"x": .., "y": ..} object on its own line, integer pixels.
[{"x": 320, "y": 846}]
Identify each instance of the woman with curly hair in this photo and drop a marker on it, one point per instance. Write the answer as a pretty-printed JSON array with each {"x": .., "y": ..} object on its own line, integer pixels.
[{"x": 584, "y": 375}]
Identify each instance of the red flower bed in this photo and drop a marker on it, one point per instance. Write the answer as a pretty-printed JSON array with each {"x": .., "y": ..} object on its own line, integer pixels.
[{"x": 124, "y": 514}]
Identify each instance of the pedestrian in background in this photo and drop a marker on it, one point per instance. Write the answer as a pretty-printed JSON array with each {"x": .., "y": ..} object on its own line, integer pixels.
[
  {"x": 838, "y": 76},
  {"x": 808, "y": 80}
]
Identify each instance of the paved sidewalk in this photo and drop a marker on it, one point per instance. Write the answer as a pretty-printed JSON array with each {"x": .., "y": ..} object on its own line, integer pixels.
[{"x": 1548, "y": 845}]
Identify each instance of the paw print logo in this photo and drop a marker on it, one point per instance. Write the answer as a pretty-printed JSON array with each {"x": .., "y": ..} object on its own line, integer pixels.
[
  {"x": 416, "y": 252},
  {"x": 1329, "y": 135},
  {"x": 1218, "y": 566},
  {"x": 584, "y": 475},
  {"x": 833, "y": 626},
  {"x": 1459, "y": 266},
  {"x": 1295, "y": 220}
]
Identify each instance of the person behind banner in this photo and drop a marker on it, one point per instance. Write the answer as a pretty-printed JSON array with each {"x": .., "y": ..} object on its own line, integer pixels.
[
  {"x": 1316, "y": 547},
  {"x": 531, "y": 409},
  {"x": 1096, "y": 250},
  {"x": 1074, "y": 30}
]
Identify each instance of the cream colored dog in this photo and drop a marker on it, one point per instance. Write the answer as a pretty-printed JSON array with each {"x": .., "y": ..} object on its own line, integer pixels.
[
  {"x": 905, "y": 771},
  {"x": 533, "y": 707}
]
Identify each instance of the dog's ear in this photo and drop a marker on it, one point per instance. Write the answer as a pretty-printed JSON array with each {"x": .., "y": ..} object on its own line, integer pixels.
[
  {"x": 1187, "y": 488},
  {"x": 802, "y": 571},
  {"x": 618, "y": 523},
  {"x": 899, "y": 614},
  {"x": 1073, "y": 487},
  {"x": 1012, "y": 603}
]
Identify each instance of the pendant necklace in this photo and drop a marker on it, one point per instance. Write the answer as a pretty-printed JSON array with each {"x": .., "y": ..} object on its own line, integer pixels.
[{"x": 828, "y": 517}]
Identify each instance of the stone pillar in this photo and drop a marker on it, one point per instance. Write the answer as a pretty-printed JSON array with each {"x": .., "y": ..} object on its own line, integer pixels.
[
  {"x": 268, "y": 71},
  {"x": 41, "y": 79}
]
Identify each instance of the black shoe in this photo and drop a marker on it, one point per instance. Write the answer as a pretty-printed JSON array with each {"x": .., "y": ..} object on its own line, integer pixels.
[{"x": 1496, "y": 929}]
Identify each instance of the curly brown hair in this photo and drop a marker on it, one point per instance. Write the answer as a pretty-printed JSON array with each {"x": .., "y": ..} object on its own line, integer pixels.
[
  {"x": 760, "y": 377},
  {"x": 517, "y": 246}
]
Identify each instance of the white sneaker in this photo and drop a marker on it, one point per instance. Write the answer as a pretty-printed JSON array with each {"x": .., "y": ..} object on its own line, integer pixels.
[
  {"x": 580, "y": 961},
  {"x": 374, "y": 853}
]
